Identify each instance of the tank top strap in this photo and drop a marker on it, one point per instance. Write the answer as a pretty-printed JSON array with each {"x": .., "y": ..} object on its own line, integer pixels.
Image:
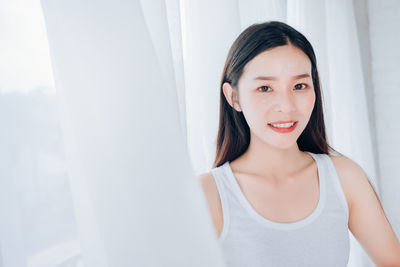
[{"x": 334, "y": 181}]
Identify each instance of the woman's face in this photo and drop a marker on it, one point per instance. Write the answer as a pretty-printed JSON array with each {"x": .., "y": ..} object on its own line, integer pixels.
[{"x": 276, "y": 88}]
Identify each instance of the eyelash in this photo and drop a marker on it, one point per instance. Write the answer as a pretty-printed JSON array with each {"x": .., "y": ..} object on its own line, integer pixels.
[{"x": 305, "y": 86}]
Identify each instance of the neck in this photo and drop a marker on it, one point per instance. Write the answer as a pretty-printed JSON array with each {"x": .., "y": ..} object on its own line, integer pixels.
[{"x": 267, "y": 161}]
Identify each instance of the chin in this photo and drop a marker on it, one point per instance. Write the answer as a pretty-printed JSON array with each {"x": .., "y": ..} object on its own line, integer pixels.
[{"x": 282, "y": 145}]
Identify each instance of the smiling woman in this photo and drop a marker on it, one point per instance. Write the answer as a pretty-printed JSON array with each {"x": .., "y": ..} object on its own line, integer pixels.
[
  {"x": 282, "y": 70},
  {"x": 277, "y": 194}
]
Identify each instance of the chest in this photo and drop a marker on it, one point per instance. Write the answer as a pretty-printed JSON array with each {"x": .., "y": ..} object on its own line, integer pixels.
[{"x": 286, "y": 202}]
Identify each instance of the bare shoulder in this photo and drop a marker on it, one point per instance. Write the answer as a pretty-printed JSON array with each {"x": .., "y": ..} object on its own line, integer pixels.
[
  {"x": 346, "y": 167},
  {"x": 367, "y": 218},
  {"x": 351, "y": 176},
  {"x": 213, "y": 199}
]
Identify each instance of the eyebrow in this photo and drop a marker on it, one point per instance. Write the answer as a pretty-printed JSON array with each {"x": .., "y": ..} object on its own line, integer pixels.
[{"x": 296, "y": 77}]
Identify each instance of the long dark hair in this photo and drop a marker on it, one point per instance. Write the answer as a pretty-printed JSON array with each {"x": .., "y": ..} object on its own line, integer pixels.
[{"x": 233, "y": 136}]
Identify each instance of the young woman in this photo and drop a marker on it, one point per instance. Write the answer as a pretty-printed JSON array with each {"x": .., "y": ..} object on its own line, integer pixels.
[{"x": 277, "y": 194}]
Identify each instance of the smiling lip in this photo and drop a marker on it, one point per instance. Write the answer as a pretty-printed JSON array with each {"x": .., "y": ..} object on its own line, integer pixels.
[
  {"x": 280, "y": 122},
  {"x": 283, "y": 130}
]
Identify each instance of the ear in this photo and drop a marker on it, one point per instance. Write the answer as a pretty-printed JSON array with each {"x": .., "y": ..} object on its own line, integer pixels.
[{"x": 231, "y": 96}]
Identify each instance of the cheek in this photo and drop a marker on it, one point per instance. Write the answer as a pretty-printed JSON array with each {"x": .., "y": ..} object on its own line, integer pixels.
[
  {"x": 257, "y": 106},
  {"x": 253, "y": 110},
  {"x": 307, "y": 103}
]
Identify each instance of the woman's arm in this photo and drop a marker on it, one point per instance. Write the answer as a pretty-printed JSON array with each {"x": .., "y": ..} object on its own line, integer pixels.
[{"x": 367, "y": 220}]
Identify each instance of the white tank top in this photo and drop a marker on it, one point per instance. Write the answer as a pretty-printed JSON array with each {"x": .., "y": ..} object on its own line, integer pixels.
[{"x": 249, "y": 239}]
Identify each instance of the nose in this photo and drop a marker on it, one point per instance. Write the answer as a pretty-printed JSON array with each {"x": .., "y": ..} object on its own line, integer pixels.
[{"x": 285, "y": 102}]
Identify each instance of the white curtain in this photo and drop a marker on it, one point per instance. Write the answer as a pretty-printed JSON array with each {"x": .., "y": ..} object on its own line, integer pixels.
[
  {"x": 113, "y": 65},
  {"x": 137, "y": 97}
]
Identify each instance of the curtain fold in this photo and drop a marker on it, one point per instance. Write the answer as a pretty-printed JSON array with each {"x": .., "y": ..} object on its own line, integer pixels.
[
  {"x": 256, "y": 11},
  {"x": 209, "y": 29},
  {"x": 131, "y": 175},
  {"x": 173, "y": 9},
  {"x": 163, "y": 31}
]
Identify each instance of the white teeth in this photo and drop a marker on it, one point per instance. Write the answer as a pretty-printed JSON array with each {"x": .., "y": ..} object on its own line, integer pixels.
[{"x": 283, "y": 125}]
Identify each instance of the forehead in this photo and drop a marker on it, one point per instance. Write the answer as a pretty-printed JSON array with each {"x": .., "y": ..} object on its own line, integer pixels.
[{"x": 282, "y": 61}]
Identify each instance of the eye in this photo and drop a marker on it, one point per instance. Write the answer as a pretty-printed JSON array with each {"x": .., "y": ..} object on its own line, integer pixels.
[
  {"x": 263, "y": 88},
  {"x": 299, "y": 86}
]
